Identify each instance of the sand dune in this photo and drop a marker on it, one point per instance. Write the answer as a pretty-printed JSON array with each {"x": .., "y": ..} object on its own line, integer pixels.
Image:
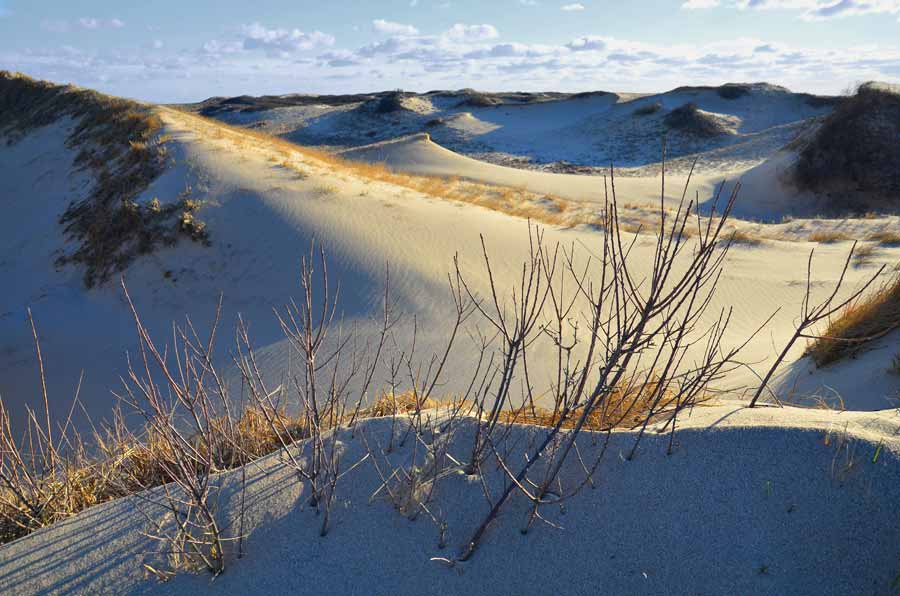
[
  {"x": 264, "y": 215},
  {"x": 764, "y": 500}
]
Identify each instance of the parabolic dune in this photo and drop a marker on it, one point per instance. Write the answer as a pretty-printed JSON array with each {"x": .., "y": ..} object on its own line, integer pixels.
[{"x": 796, "y": 495}]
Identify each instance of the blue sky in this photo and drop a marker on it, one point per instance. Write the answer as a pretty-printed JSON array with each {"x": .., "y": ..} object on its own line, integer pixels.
[{"x": 170, "y": 51}]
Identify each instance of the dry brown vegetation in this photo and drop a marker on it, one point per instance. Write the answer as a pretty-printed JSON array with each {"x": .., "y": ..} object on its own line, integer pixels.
[
  {"x": 118, "y": 141},
  {"x": 744, "y": 237},
  {"x": 885, "y": 237},
  {"x": 862, "y": 321},
  {"x": 829, "y": 236}
]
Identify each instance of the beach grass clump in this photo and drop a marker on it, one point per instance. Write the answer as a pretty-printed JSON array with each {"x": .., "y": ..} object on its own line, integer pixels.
[
  {"x": 744, "y": 237},
  {"x": 119, "y": 142},
  {"x": 858, "y": 324},
  {"x": 828, "y": 236},
  {"x": 885, "y": 237}
]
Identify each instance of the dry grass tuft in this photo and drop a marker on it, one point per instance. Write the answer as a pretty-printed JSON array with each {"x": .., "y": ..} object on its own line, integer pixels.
[
  {"x": 390, "y": 404},
  {"x": 829, "y": 236},
  {"x": 885, "y": 237},
  {"x": 861, "y": 322},
  {"x": 744, "y": 237},
  {"x": 863, "y": 255},
  {"x": 625, "y": 408}
]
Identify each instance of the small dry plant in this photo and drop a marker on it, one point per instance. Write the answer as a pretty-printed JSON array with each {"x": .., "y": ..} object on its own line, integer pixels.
[{"x": 860, "y": 322}]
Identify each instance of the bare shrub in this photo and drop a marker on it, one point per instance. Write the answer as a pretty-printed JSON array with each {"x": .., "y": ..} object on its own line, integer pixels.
[
  {"x": 637, "y": 334},
  {"x": 812, "y": 314}
]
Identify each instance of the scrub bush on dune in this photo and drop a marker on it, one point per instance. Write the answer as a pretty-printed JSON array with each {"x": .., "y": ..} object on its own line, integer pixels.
[
  {"x": 690, "y": 120},
  {"x": 854, "y": 156}
]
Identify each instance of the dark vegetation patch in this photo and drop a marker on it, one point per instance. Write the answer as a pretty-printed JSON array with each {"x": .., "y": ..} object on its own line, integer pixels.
[
  {"x": 589, "y": 94},
  {"x": 476, "y": 99},
  {"x": 648, "y": 109},
  {"x": 821, "y": 101},
  {"x": 386, "y": 104},
  {"x": 689, "y": 120},
  {"x": 854, "y": 156},
  {"x": 218, "y": 106},
  {"x": 732, "y": 91},
  {"x": 115, "y": 139}
]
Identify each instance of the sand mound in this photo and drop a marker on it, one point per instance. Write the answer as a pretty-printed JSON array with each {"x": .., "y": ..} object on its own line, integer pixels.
[{"x": 854, "y": 157}]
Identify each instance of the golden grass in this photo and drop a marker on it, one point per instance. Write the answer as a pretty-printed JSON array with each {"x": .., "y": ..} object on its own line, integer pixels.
[
  {"x": 828, "y": 236},
  {"x": 885, "y": 237},
  {"x": 744, "y": 237},
  {"x": 624, "y": 408},
  {"x": 122, "y": 463},
  {"x": 861, "y": 322}
]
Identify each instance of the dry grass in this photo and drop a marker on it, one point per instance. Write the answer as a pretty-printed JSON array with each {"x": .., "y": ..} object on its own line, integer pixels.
[
  {"x": 626, "y": 408},
  {"x": 829, "y": 236},
  {"x": 863, "y": 255},
  {"x": 860, "y": 323},
  {"x": 744, "y": 237},
  {"x": 885, "y": 237},
  {"x": 519, "y": 202},
  {"x": 118, "y": 140},
  {"x": 117, "y": 463}
]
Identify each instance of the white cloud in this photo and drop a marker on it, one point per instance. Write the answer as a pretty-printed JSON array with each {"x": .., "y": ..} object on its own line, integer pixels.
[
  {"x": 461, "y": 32},
  {"x": 116, "y": 23},
  {"x": 392, "y": 28},
  {"x": 282, "y": 42},
  {"x": 215, "y": 47},
  {"x": 89, "y": 23},
  {"x": 586, "y": 44},
  {"x": 700, "y": 4},
  {"x": 575, "y": 6},
  {"x": 810, "y": 10}
]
